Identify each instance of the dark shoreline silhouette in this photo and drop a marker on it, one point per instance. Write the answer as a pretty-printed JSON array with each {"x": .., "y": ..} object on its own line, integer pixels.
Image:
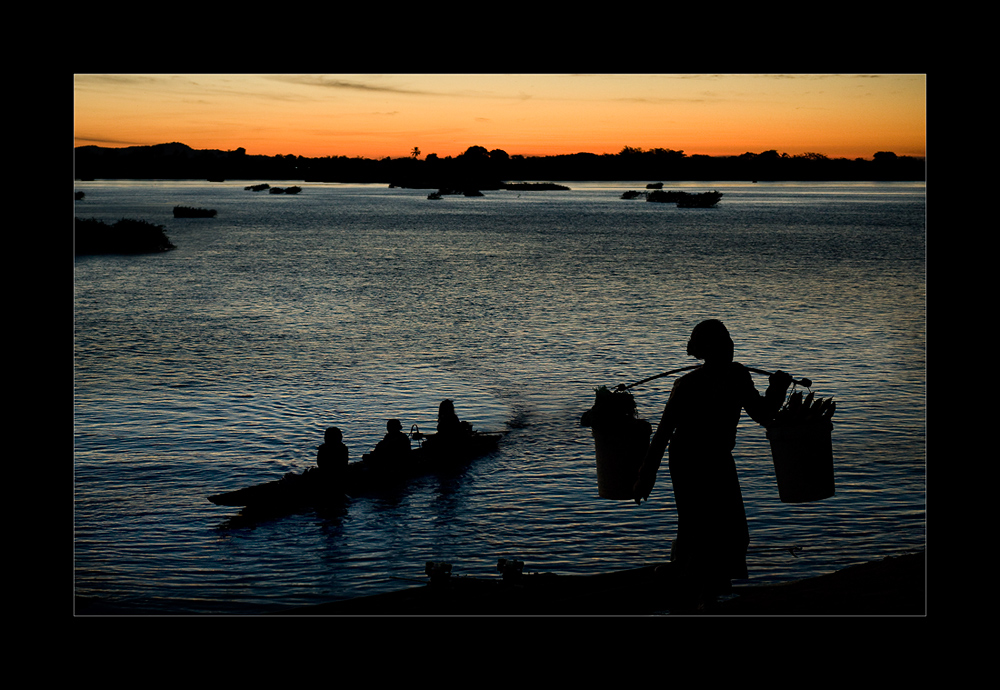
[
  {"x": 478, "y": 168},
  {"x": 890, "y": 586}
]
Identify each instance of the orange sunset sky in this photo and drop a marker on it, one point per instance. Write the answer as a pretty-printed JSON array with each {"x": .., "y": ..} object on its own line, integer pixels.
[{"x": 379, "y": 115}]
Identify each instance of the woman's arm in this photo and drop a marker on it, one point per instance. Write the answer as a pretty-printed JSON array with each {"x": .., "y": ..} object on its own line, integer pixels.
[
  {"x": 762, "y": 408},
  {"x": 654, "y": 453}
]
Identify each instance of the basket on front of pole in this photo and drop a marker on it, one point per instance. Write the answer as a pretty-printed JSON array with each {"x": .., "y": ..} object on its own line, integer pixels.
[
  {"x": 802, "y": 449},
  {"x": 620, "y": 441}
]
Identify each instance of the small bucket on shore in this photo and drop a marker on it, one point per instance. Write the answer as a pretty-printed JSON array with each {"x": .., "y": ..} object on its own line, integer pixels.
[
  {"x": 620, "y": 452},
  {"x": 803, "y": 461}
]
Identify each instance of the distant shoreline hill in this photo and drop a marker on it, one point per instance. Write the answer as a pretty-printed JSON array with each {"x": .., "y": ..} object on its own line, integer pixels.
[{"x": 478, "y": 168}]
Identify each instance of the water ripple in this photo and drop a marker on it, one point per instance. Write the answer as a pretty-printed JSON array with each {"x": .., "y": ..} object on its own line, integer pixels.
[{"x": 219, "y": 365}]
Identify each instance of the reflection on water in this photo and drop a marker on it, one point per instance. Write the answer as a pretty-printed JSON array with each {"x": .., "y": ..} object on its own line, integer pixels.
[{"x": 219, "y": 364}]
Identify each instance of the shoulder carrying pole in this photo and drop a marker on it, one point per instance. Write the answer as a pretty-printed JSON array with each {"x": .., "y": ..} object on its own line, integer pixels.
[{"x": 622, "y": 387}]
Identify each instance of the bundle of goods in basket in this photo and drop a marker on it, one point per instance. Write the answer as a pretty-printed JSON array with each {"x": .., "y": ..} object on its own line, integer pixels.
[
  {"x": 620, "y": 439},
  {"x": 802, "y": 448},
  {"x": 803, "y": 410}
]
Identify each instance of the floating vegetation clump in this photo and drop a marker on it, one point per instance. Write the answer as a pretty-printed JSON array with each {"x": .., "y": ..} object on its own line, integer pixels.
[
  {"x": 123, "y": 237},
  {"x": 189, "y": 212},
  {"x": 682, "y": 199},
  {"x": 685, "y": 199},
  {"x": 265, "y": 187}
]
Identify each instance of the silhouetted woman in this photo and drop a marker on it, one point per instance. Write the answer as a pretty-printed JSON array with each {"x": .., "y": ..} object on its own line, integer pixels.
[
  {"x": 332, "y": 455},
  {"x": 699, "y": 423},
  {"x": 448, "y": 422}
]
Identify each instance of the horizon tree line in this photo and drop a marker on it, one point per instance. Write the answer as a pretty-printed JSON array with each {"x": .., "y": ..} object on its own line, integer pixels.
[{"x": 479, "y": 165}]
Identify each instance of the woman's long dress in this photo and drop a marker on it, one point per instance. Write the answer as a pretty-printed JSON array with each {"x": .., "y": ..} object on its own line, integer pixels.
[{"x": 703, "y": 410}]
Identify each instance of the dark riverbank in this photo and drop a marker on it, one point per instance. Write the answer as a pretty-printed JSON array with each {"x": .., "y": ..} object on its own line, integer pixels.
[
  {"x": 478, "y": 168},
  {"x": 894, "y": 586}
]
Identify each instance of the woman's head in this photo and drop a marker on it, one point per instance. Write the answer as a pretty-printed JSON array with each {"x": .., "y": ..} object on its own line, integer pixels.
[
  {"x": 332, "y": 435},
  {"x": 393, "y": 425},
  {"x": 710, "y": 341}
]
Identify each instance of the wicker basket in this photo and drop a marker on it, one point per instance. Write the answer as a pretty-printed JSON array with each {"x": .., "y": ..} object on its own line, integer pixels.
[
  {"x": 803, "y": 461},
  {"x": 620, "y": 450}
]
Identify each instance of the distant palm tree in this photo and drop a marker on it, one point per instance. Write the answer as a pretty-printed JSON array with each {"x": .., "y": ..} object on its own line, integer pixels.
[{"x": 415, "y": 152}]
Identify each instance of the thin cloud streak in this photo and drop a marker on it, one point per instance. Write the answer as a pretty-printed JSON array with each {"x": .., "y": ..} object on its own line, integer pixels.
[
  {"x": 324, "y": 82},
  {"x": 330, "y": 83}
]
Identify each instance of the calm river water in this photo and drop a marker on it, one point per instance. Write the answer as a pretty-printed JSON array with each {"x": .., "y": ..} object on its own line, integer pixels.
[{"x": 219, "y": 364}]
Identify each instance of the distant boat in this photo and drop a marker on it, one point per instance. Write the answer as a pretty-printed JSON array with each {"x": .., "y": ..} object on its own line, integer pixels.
[
  {"x": 311, "y": 488},
  {"x": 434, "y": 195}
]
